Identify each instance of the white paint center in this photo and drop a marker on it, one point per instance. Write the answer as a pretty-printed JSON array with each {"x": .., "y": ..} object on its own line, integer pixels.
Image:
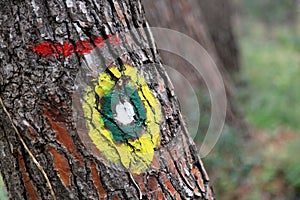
[{"x": 125, "y": 113}]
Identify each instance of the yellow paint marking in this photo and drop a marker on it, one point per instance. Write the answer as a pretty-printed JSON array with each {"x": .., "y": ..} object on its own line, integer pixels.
[
  {"x": 140, "y": 156},
  {"x": 115, "y": 72}
]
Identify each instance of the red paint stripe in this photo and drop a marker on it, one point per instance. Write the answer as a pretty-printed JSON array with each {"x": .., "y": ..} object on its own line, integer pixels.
[{"x": 67, "y": 48}]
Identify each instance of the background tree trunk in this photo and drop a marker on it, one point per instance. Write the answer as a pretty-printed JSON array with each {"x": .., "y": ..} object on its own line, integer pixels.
[
  {"x": 43, "y": 155},
  {"x": 190, "y": 18},
  {"x": 219, "y": 17}
]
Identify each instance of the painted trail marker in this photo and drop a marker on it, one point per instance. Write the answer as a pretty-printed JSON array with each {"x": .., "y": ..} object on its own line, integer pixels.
[
  {"x": 119, "y": 114},
  {"x": 124, "y": 117},
  {"x": 69, "y": 48}
]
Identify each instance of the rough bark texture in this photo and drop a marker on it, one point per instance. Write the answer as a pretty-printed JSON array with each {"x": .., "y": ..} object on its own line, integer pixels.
[
  {"x": 190, "y": 18},
  {"x": 39, "y": 141}
]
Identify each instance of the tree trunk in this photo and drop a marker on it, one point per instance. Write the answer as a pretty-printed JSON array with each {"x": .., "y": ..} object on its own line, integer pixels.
[
  {"x": 218, "y": 15},
  {"x": 293, "y": 15},
  {"x": 64, "y": 97},
  {"x": 190, "y": 18}
]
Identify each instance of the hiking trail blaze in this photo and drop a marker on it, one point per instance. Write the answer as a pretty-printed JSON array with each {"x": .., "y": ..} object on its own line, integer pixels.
[
  {"x": 121, "y": 114},
  {"x": 123, "y": 117}
]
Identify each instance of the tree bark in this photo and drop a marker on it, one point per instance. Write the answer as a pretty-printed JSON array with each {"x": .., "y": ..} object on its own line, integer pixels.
[
  {"x": 190, "y": 18},
  {"x": 46, "y": 151},
  {"x": 208, "y": 22},
  {"x": 219, "y": 18}
]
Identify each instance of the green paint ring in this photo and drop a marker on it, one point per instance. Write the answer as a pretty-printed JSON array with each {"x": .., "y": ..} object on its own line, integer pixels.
[
  {"x": 136, "y": 155},
  {"x": 119, "y": 132}
]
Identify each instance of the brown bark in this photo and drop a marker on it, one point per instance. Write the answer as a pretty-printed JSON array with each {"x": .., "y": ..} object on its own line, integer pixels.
[
  {"x": 209, "y": 22},
  {"x": 42, "y": 153},
  {"x": 190, "y": 18},
  {"x": 219, "y": 18}
]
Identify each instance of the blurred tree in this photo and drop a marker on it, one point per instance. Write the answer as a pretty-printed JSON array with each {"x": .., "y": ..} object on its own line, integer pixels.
[
  {"x": 42, "y": 150},
  {"x": 219, "y": 19},
  {"x": 187, "y": 17}
]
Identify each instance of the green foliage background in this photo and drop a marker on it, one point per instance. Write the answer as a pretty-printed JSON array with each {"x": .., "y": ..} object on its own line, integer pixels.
[
  {"x": 271, "y": 12},
  {"x": 3, "y": 195},
  {"x": 266, "y": 164}
]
